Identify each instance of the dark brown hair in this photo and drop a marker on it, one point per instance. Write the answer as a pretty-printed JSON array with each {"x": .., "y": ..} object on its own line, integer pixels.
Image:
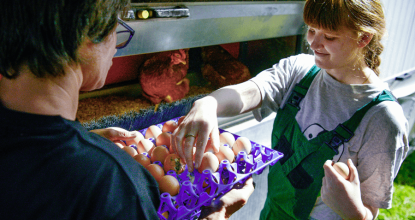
[
  {"x": 46, "y": 34},
  {"x": 361, "y": 16}
]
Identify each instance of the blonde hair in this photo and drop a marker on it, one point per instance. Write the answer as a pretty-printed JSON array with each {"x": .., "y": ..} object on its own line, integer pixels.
[{"x": 362, "y": 16}]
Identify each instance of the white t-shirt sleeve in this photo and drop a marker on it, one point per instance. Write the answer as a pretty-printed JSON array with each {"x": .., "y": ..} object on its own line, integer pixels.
[{"x": 381, "y": 154}]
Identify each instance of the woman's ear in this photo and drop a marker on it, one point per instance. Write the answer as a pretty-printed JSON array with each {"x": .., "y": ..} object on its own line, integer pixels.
[{"x": 364, "y": 39}]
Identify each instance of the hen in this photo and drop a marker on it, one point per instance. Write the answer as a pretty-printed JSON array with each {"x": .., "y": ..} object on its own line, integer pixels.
[
  {"x": 221, "y": 68},
  {"x": 163, "y": 76}
]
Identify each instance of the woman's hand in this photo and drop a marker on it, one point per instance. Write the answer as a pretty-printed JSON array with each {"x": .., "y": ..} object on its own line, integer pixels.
[
  {"x": 196, "y": 128},
  {"x": 229, "y": 203},
  {"x": 341, "y": 195},
  {"x": 115, "y": 133}
]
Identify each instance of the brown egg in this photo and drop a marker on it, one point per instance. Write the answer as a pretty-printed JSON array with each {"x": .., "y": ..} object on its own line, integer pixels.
[
  {"x": 209, "y": 146},
  {"x": 144, "y": 146},
  {"x": 242, "y": 144},
  {"x": 163, "y": 139},
  {"x": 169, "y": 126},
  {"x": 152, "y": 132},
  {"x": 174, "y": 162},
  {"x": 151, "y": 150},
  {"x": 120, "y": 144},
  {"x": 169, "y": 184},
  {"x": 180, "y": 120},
  {"x": 159, "y": 154},
  {"x": 165, "y": 214},
  {"x": 142, "y": 159},
  {"x": 227, "y": 138},
  {"x": 156, "y": 171},
  {"x": 209, "y": 162},
  {"x": 131, "y": 151},
  {"x": 137, "y": 139},
  {"x": 342, "y": 169},
  {"x": 225, "y": 153}
]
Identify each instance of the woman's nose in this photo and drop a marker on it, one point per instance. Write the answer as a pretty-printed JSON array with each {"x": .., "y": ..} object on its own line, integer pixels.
[{"x": 315, "y": 42}]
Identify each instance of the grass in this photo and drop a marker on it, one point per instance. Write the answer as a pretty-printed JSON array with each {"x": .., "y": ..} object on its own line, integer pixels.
[{"x": 403, "y": 203}]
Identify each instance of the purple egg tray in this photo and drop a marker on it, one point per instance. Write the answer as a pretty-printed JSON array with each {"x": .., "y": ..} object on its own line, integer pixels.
[{"x": 200, "y": 189}]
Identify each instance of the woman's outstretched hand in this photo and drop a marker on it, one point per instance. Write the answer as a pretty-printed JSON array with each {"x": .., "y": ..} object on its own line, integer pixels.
[{"x": 195, "y": 129}]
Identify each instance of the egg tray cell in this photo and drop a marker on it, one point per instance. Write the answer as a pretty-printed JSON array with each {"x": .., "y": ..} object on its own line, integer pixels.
[{"x": 200, "y": 189}]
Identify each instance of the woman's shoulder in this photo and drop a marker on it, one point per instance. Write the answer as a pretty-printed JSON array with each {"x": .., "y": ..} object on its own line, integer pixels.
[
  {"x": 299, "y": 60},
  {"x": 296, "y": 65},
  {"x": 389, "y": 112},
  {"x": 386, "y": 121}
]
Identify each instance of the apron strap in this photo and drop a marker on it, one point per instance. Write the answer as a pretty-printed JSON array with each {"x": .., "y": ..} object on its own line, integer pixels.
[
  {"x": 345, "y": 131},
  {"x": 301, "y": 88}
]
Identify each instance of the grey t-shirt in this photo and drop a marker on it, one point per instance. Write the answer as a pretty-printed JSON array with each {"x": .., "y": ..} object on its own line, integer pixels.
[{"x": 379, "y": 144}]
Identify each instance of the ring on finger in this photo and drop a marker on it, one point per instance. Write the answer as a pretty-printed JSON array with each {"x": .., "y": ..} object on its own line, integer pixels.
[{"x": 189, "y": 135}]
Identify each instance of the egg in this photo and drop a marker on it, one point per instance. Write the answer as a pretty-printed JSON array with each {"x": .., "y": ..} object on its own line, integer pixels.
[
  {"x": 165, "y": 214},
  {"x": 142, "y": 159},
  {"x": 159, "y": 154},
  {"x": 225, "y": 153},
  {"x": 169, "y": 126},
  {"x": 153, "y": 131},
  {"x": 144, "y": 146},
  {"x": 151, "y": 150},
  {"x": 137, "y": 139},
  {"x": 174, "y": 162},
  {"x": 156, "y": 171},
  {"x": 242, "y": 144},
  {"x": 209, "y": 146},
  {"x": 163, "y": 139},
  {"x": 169, "y": 184},
  {"x": 342, "y": 169},
  {"x": 130, "y": 150},
  {"x": 180, "y": 120},
  {"x": 120, "y": 144},
  {"x": 227, "y": 138},
  {"x": 209, "y": 162}
]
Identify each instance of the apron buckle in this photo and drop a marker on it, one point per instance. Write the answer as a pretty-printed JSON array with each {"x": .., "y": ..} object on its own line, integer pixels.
[
  {"x": 295, "y": 99},
  {"x": 335, "y": 143},
  {"x": 340, "y": 135}
]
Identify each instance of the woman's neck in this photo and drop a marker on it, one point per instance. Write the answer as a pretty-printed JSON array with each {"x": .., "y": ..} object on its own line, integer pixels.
[
  {"x": 356, "y": 74},
  {"x": 45, "y": 96}
]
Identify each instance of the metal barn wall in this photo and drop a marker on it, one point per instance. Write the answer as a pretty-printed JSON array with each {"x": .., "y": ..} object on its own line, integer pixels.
[{"x": 399, "y": 52}]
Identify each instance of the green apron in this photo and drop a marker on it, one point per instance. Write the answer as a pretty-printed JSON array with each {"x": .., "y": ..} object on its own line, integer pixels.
[{"x": 294, "y": 183}]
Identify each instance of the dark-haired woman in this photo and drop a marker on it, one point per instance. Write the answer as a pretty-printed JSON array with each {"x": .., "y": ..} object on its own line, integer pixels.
[
  {"x": 52, "y": 167},
  {"x": 330, "y": 107}
]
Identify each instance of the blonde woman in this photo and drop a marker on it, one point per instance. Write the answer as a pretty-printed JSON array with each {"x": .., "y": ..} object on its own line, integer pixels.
[{"x": 331, "y": 106}]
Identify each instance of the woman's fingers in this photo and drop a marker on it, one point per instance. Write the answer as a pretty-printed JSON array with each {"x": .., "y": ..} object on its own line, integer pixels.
[
  {"x": 215, "y": 139},
  {"x": 115, "y": 133},
  {"x": 354, "y": 175},
  {"x": 188, "y": 151}
]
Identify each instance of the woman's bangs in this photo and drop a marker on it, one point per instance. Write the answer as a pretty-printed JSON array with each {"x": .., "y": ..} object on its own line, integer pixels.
[{"x": 326, "y": 14}]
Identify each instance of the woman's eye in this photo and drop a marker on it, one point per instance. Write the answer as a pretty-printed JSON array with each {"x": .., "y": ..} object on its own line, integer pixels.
[
  {"x": 311, "y": 31},
  {"x": 329, "y": 38}
]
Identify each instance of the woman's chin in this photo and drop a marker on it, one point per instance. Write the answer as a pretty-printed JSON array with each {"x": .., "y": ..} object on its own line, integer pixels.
[{"x": 322, "y": 63}]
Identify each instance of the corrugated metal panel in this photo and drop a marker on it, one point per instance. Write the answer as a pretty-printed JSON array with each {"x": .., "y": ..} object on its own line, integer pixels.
[{"x": 399, "y": 53}]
